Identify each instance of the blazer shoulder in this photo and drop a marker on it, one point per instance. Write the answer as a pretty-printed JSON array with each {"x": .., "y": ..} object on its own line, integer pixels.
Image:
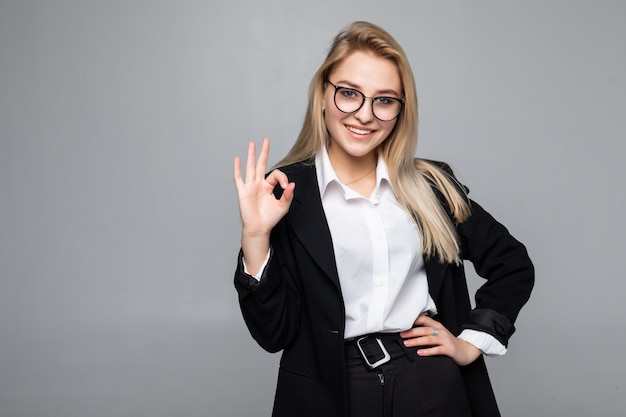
[{"x": 302, "y": 173}]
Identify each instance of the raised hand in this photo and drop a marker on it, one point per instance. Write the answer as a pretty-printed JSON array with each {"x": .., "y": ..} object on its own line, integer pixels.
[{"x": 260, "y": 210}]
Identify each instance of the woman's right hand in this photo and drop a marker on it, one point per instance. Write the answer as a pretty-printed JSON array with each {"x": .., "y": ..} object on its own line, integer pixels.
[{"x": 260, "y": 210}]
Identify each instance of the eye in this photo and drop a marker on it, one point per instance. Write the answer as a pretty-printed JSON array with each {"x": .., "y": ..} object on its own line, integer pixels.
[
  {"x": 384, "y": 100},
  {"x": 348, "y": 93}
]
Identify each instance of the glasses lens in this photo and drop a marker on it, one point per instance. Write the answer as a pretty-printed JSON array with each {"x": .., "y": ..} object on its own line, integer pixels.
[
  {"x": 349, "y": 100},
  {"x": 386, "y": 108}
]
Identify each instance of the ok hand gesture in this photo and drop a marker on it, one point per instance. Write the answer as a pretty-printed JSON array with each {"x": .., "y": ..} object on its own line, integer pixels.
[{"x": 260, "y": 210}]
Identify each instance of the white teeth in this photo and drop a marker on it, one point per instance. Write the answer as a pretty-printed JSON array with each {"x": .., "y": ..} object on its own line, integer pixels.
[{"x": 359, "y": 131}]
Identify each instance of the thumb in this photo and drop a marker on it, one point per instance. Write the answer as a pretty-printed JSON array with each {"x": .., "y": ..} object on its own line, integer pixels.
[{"x": 288, "y": 193}]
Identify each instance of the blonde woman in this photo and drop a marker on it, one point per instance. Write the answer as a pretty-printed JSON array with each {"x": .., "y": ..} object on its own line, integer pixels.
[{"x": 352, "y": 254}]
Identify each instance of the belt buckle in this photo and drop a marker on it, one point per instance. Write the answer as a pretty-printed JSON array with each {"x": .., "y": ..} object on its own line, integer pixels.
[{"x": 386, "y": 356}]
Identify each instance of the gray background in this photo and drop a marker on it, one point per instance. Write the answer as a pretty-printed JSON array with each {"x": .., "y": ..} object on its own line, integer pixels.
[{"x": 119, "y": 121}]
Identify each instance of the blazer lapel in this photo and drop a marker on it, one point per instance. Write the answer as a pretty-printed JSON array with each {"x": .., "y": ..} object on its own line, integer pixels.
[
  {"x": 435, "y": 272},
  {"x": 308, "y": 220}
]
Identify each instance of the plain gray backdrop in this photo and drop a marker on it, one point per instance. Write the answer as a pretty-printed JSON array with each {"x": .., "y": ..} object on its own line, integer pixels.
[{"x": 119, "y": 226}]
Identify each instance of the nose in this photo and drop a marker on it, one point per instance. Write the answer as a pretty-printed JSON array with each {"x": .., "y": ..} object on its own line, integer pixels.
[{"x": 366, "y": 113}]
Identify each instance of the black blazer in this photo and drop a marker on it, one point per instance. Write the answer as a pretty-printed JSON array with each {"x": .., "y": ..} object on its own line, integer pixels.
[{"x": 297, "y": 306}]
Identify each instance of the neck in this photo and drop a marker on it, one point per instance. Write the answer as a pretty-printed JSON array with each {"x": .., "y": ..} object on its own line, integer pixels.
[
  {"x": 354, "y": 170},
  {"x": 362, "y": 177},
  {"x": 348, "y": 166}
]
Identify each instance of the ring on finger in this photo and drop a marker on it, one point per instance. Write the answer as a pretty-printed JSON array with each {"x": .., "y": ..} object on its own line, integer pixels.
[{"x": 435, "y": 331}]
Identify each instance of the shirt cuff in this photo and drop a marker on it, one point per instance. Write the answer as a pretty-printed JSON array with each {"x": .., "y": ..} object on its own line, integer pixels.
[
  {"x": 488, "y": 344},
  {"x": 259, "y": 273}
]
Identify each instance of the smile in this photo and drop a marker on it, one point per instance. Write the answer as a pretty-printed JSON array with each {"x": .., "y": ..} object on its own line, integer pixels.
[{"x": 358, "y": 131}]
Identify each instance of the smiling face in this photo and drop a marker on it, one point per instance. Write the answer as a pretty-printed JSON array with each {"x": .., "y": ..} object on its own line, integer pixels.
[{"x": 355, "y": 137}]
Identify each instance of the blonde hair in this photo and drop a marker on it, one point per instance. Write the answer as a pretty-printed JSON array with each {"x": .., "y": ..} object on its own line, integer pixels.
[{"x": 421, "y": 186}]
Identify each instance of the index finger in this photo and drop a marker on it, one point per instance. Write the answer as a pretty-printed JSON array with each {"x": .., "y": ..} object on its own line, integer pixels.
[{"x": 425, "y": 321}]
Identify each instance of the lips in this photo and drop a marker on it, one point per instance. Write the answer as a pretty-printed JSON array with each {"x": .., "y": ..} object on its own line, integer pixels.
[{"x": 359, "y": 131}]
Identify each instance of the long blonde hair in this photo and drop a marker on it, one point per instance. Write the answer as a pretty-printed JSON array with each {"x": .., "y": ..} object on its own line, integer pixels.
[{"x": 413, "y": 180}]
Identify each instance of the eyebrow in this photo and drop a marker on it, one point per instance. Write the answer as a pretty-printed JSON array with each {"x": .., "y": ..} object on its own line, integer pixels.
[{"x": 357, "y": 87}]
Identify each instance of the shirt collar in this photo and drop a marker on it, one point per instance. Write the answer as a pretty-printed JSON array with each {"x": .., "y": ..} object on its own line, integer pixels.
[{"x": 326, "y": 175}]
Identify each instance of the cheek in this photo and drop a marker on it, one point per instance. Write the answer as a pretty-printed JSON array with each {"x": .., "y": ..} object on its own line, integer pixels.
[
  {"x": 389, "y": 127},
  {"x": 332, "y": 116}
]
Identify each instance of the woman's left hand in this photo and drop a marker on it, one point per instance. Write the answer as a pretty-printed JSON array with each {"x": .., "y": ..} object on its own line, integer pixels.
[{"x": 439, "y": 341}]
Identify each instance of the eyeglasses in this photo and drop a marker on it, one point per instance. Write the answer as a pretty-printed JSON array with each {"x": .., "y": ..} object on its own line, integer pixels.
[{"x": 350, "y": 100}]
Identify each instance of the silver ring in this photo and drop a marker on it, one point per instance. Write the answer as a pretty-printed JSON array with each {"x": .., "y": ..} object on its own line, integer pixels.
[{"x": 435, "y": 331}]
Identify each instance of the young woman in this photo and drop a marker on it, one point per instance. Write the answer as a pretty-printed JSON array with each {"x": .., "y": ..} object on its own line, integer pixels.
[{"x": 352, "y": 254}]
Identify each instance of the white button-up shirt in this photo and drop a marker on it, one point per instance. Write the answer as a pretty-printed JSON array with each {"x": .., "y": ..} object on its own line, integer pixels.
[{"x": 377, "y": 252}]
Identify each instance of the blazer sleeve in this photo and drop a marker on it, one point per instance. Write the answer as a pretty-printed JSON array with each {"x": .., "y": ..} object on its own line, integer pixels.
[
  {"x": 504, "y": 262},
  {"x": 499, "y": 258},
  {"x": 271, "y": 306}
]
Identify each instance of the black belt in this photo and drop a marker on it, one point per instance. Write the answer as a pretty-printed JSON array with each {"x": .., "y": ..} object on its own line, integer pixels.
[{"x": 376, "y": 349}]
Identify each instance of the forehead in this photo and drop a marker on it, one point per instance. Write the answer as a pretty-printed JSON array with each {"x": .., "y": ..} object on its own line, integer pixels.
[{"x": 367, "y": 71}]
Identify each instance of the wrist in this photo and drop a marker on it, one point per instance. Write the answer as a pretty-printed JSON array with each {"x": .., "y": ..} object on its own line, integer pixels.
[
  {"x": 255, "y": 248},
  {"x": 258, "y": 239},
  {"x": 471, "y": 353}
]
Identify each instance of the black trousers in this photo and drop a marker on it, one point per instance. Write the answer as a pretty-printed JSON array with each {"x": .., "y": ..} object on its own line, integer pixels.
[{"x": 408, "y": 385}]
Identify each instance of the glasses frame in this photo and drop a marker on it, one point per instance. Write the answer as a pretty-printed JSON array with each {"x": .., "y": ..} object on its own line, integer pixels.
[{"x": 363, "y": 96}]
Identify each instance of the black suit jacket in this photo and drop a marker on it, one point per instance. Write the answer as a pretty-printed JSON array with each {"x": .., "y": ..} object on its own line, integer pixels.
[{"x": 297, "y": 306}]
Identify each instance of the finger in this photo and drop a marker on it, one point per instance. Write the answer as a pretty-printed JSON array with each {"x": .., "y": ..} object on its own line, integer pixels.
[
  {"x": 261, "y": 166},
  {"x": 420, "y": 323},
  {"x": 288, "y": 192},
  {"x": 237, "y": 170},
  {"x": 432, "y": 351},
  {"x": 250, "y": 162},
  {"x": 425, "y": 340},
  {"x": 415, "y": 332},
  {"x": 278, "y": 177},
  {"x": 427, "y": 321}
]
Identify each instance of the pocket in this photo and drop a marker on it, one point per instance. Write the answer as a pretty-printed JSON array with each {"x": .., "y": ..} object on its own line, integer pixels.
[
  {"x": 300, "y": 394},
  {"x": 442, "y": 383},
  {"x": 441, "y": 370},
  {"x": 292, "y": 373}
]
